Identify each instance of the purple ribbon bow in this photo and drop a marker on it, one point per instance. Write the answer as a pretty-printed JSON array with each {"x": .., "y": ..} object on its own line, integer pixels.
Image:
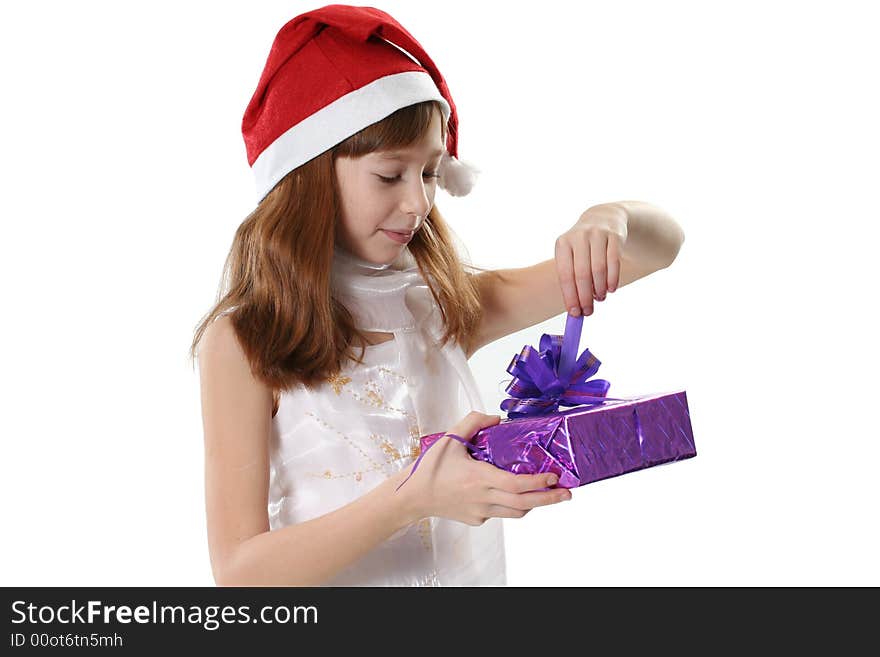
[{"x": 544, "y": 380}]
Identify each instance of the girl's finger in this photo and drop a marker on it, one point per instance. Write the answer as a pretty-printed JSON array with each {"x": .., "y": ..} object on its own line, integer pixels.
[
  {"x": 613, "y": 262},
  {"x": 598, "y": 255},
  {"x": 496, "y": 511},
  {"x": 502, "y": 480},
  {"x": 528, "y": 500},
  {"x": 565, "y": 272},
  {"x": 583, "y": 275}
]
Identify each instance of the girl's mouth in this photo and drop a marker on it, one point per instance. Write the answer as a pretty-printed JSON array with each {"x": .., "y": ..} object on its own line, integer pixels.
[{"x": 400, "y": 238}]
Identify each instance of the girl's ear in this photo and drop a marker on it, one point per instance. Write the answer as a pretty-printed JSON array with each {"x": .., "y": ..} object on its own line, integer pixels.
[{"x": 456, "y": 176}]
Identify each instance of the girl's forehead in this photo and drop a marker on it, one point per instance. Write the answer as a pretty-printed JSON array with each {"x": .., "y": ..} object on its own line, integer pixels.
[{"x": 408, "y": 153}]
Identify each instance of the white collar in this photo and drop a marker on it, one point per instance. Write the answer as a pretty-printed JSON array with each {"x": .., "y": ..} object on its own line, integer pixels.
[{"x": 388, "y": 298}]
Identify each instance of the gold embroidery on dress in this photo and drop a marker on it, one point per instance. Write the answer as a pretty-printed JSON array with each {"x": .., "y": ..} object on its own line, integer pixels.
[
  {"x": 346, "y": 439},
  {"x": 425, "y": 533},
  {"x": 390, "y": 450},
  {"x": 358, "y": 475},
  {"x": 338, "y": 381},
  {"x": 374, "y": 398},
  {"x": 373, "y": 394},
  {"x": 415, "y": 436},
  {"x": 415, "y": 443},
  {"x": 392, "y": 454},
  {"x": 373, "y": 391},
  {"x": 393, "y": 373}
]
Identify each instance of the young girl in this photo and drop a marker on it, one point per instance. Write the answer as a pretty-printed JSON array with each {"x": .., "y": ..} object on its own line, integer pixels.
[{"x": 307, "y": 439}]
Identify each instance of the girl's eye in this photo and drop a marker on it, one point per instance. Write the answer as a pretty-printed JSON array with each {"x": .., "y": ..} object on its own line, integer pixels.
[{"x": 427, "y": 174}]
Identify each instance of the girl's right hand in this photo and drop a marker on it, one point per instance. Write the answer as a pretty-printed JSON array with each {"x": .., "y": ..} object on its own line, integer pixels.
[{"x": 450, "y": 483}]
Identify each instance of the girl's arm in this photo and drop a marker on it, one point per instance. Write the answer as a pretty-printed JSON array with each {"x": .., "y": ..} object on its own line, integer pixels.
[
  {"x": 236, "y": 412},
  {"x": 515, "y": 299}
]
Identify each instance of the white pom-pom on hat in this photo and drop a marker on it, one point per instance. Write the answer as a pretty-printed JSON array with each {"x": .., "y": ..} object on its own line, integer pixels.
[{"x": 457, "y": 177}]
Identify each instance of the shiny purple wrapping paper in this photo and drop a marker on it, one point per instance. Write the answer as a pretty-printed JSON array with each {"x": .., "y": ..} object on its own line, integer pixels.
[
  {"x": 600, "y": 437},
  {"x": 586, "y": 444}
]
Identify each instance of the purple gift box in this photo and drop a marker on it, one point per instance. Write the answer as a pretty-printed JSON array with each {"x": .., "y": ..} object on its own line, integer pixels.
[
  {"x": 600, "y": 437},
  {"x": 583, "y": 445}
]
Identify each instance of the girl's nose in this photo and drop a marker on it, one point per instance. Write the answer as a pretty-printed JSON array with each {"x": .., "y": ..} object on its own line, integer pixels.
[{"x": 417, "y": 201}]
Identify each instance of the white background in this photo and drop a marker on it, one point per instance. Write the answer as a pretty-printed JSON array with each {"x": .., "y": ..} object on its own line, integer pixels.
[{"x": 754, "y": 124}]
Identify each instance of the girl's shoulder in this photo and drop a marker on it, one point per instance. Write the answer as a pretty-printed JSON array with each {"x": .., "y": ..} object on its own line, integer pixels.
[{"x": 224, "y": 363}]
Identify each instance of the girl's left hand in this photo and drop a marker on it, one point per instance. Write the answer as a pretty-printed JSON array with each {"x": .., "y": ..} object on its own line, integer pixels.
[{"x": 588, "y": 257}]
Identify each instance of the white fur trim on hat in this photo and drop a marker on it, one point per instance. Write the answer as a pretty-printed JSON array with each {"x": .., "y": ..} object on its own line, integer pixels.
[{"x": 339, "y": 120}]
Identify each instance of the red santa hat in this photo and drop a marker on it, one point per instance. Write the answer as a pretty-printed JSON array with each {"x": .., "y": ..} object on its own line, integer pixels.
[{"x": 332, "y": 72}]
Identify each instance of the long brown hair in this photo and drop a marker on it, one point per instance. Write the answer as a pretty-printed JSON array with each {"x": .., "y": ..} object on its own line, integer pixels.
[{"x": 276, "y": 279}]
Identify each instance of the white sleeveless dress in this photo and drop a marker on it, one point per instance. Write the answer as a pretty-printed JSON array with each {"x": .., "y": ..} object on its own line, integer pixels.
[{"x": 331, "y": 445}]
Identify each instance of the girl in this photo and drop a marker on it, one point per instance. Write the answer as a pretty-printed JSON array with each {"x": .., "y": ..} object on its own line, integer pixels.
[{"x": 349, "y": 133}]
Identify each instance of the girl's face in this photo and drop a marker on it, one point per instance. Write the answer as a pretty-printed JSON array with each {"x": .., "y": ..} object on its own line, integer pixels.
[{"x": 386, "y": 192}]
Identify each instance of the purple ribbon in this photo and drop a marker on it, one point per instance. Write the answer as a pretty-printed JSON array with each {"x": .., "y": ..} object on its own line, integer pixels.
[
  {"x": 466, "y": 443},
  {"x": 544, "y": 380}
]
